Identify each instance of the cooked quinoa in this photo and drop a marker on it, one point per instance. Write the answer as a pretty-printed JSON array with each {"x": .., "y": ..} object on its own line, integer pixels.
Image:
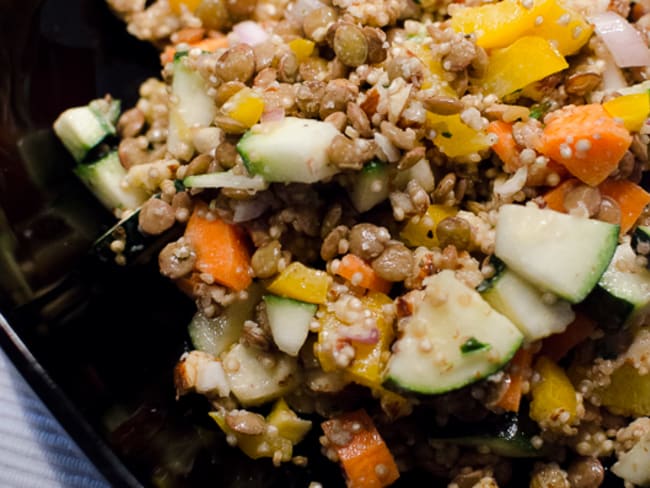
[{"x": 376, "y": 221}]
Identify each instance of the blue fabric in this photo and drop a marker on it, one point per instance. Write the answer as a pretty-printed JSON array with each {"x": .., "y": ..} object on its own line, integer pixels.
[{"x": 35, "y": 451}]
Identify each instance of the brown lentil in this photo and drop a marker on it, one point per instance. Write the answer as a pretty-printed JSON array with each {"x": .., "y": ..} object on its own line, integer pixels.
[
  {"x": 394, "y": 263},
  {"x": 367, "y": 240},
  {"x": 586, "y": 472},
  {"x": 265, "y": 259},
  {"x": 582, "y": 83},
  {"x": 609, "y": 211},
  {"x": 454, "y": 231},
  {"x": 317, "y": 22},
  {"x": 130, "y": 123},
  {"x": 583, "y": 199},
  {"x": 245, "y": 422},
  {"x": 236, "y": 64},
  {"x": 177, "y": 259},
  {"x": 156, "y": 216},
  {"x": 330, "y": 247}
]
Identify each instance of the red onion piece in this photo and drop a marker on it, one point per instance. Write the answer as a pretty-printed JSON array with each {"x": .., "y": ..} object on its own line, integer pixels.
[
  {"x": 624, "y": 42},
  {"x": 273, "y": 115},
  {"x": 249, "y": 32},
  {"x": 364, "y": 335}
]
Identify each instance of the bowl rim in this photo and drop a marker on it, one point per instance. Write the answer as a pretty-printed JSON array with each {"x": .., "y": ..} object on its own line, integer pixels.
[{"x": 63, "y": 410}]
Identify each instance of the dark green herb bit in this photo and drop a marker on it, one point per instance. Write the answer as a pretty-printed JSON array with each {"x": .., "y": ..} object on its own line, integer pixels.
[{"x": 472, "y": 345}]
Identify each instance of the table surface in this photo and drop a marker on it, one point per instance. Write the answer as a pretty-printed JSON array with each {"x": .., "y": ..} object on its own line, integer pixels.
[{"x": 34, "y": 448}]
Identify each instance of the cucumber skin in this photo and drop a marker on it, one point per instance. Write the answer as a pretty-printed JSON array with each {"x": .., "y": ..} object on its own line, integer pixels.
[{"x": 590, "y": 281}]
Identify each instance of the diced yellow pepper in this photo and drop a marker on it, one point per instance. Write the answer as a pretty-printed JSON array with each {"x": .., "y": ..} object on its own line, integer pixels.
[
  {"x": 302, "y": 48},
  {"x": 454, "y": 138},
  {"x": 190, "y": 4},
  {"x": 434, "y": 76},
  {"x": 628, "y": 393},
  {"x": 525, "y": 61},
  {"x": 256, "y": 446},
  {"x": 553, "y": 395},
  {"x": 421, "y": 231},
  {"x": 632, "y": 109},
  {"x": 369, "y": 361},
  {"x": 495, "y": 24},
  {"x": 500, "y": 24},
  {"x": 566, "y": 29},
  {"x": 289, "y": 425},
  {"x": 245, "y": 107},
  {"x": 299, "y": 282}
]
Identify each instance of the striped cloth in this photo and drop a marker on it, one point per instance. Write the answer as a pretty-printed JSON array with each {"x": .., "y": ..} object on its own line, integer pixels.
[{"x": 35, "y": 451}]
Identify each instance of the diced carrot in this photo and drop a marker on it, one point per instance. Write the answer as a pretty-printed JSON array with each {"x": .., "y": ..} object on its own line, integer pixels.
[
  {"x": 631, "y": 199},
  {"x": 220, "y": 248},
  {"x": 505, "y": 147},
  {"x": 586, "y": 140},
  {"x": 353, "y": 268},
  {"x": 209, "y": 44},
  {"x": 557, "y": 346},
  {"x": 519, "y": 364},
  {"x": 555, "y": 198},
  {"x": 364, "y": 456}
]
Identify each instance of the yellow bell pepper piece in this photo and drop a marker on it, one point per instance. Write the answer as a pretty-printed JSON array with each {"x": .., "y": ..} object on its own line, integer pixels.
[
  {"x": 299, "y": 282},
  {"x": 500, "y": 24},
  {"x": 289, "y": 425},
  {"x": 553, "y": 396},
  {"x": 566, "y": 29},
  {"x": 632, "y": 109},
  {"x": 525, "y": 61},
  {"x": 454, "y": 138},
  {"x": 190, "y": 4},
  {"x": 628, "y": 393},
  {"x": 434, "y": 74},
  {"x": 256, "y": 446},
  {"x": 421, "y": 231},
  {"x": 302, "y": 48},
  {"x": 369, "y": 361},
  {"x": 245, "y": 107}
]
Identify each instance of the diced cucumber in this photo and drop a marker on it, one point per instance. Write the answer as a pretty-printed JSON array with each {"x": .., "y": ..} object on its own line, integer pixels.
[
  {"x": 81, "y": 129},
  {"x": 105, "y": 178},
  {"x": 641, "y": 241},
  {"x": 191, "y": 107},
  {"x": 256, "y": 376},
  {"x": 109, "y": 107},
  {"x": 622, "y": 296},
  {"x": 289, "y": 150},
  {"x": 215, "y": 335},
  {"x": 139, "y": 247},
  {"x": 433, "y": 354},
  {"x": 525, "y": 306},
  {"x": 502, "y": 435},
  {"x": 226, "y": 179},
  {"x": 289, "y": 321},
  {"x": 420, "y": 172},
  {"x": 556, "y": 252},
  {"x": 370, "y": 186}
]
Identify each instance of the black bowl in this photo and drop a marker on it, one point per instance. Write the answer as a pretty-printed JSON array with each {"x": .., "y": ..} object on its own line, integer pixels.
[{"x": 96, "y": 341}]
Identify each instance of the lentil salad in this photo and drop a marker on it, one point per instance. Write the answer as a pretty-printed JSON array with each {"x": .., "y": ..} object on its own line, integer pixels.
[{"x": 437, "y": 206}]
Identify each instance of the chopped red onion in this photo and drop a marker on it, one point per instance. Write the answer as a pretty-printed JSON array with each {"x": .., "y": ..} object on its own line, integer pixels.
[
  {"x": 624, "y": 42},
  {"x": 364, "y": 335},
  {"x": 249, "y": 32},
  {"x": 273, "y": 115}
]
